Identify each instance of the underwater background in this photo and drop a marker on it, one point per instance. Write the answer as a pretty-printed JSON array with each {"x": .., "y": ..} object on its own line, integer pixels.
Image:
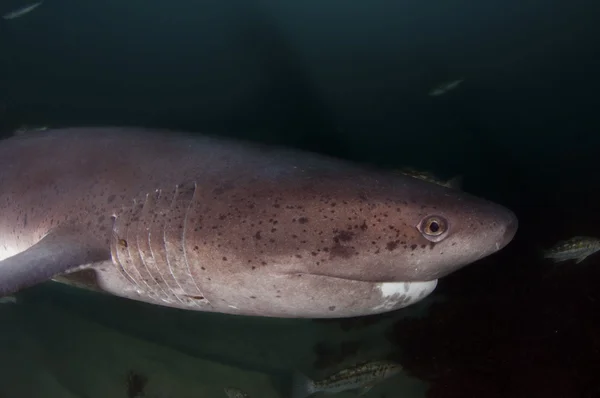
[{"x": 351, "y": 79}]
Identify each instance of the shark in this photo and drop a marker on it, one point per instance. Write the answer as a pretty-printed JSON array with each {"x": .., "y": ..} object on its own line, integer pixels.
[{"x": 205, "y": 223}]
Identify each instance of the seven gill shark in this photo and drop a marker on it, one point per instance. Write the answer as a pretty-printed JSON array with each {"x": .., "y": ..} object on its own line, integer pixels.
[{"x": 208, "y": 224}]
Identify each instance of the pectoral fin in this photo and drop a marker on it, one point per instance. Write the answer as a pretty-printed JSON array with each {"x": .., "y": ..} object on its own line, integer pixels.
[{"x": 58, "y": 252}]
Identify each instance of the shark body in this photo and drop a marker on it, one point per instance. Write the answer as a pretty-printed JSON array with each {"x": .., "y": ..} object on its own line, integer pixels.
[{"x": 208, "y": 224}]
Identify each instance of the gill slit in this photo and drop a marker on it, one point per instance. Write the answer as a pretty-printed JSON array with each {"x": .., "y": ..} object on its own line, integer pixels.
[
  {"x": 165, "y": 295},
  {"x": 149, "y": 289},
  {"x": 164, "y": 230},
  {"x": 183, "y": 242}
]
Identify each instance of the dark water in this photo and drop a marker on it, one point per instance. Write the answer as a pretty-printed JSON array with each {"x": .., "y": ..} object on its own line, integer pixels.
[{"x": 351, "y": 79}]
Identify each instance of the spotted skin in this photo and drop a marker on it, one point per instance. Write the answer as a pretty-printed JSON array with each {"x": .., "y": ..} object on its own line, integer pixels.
[{"x": 209, "y": 224}]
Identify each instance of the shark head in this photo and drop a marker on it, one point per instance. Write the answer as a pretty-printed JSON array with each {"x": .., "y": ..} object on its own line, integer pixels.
[{"x": 355, "y": 239}]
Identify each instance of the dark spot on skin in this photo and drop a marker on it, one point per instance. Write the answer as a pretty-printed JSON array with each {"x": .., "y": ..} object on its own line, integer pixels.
[
  {"x": 338, "y": 250},
  {"x": 252, "y": 297},
  {"x": 303, "y": 220},
  {"x": 332, "y": 308},
  {"x": 111, "y": 198},
  {"x": 343, "y": 236},
  {"x": 392, "y": 245},
  {"x": 224, "y": 258},
  {"x": 413, "y": 247},
  {"x": 257, "y": 235}
]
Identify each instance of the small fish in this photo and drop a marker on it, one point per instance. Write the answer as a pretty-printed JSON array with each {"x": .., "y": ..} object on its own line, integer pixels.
[
  {"x": 444, "y": 88},
  {"x": 22, "y": 11},
  {"x": 235, "y": 393},
  {"x": 362, "y": 377},
  {"x": 454, "y": 182},
  {"x": 28, "y": 129},
  {"x": 8, "y": 300},
  {"x": 577, "y": 248}
]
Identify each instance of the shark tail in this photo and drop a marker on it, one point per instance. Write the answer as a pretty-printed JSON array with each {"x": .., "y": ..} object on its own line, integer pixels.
[{"x": 302, "y": 386}]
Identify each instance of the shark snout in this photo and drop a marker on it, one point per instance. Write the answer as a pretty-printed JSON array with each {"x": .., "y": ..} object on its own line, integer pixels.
[{"x": 511, "y": 225}]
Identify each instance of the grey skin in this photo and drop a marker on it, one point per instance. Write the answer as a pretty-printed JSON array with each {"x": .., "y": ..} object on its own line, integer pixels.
[{"x": 210, "y": 224}]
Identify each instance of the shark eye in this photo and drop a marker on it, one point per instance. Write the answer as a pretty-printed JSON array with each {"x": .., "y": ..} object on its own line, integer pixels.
[{"x": 433, "y": 228}]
